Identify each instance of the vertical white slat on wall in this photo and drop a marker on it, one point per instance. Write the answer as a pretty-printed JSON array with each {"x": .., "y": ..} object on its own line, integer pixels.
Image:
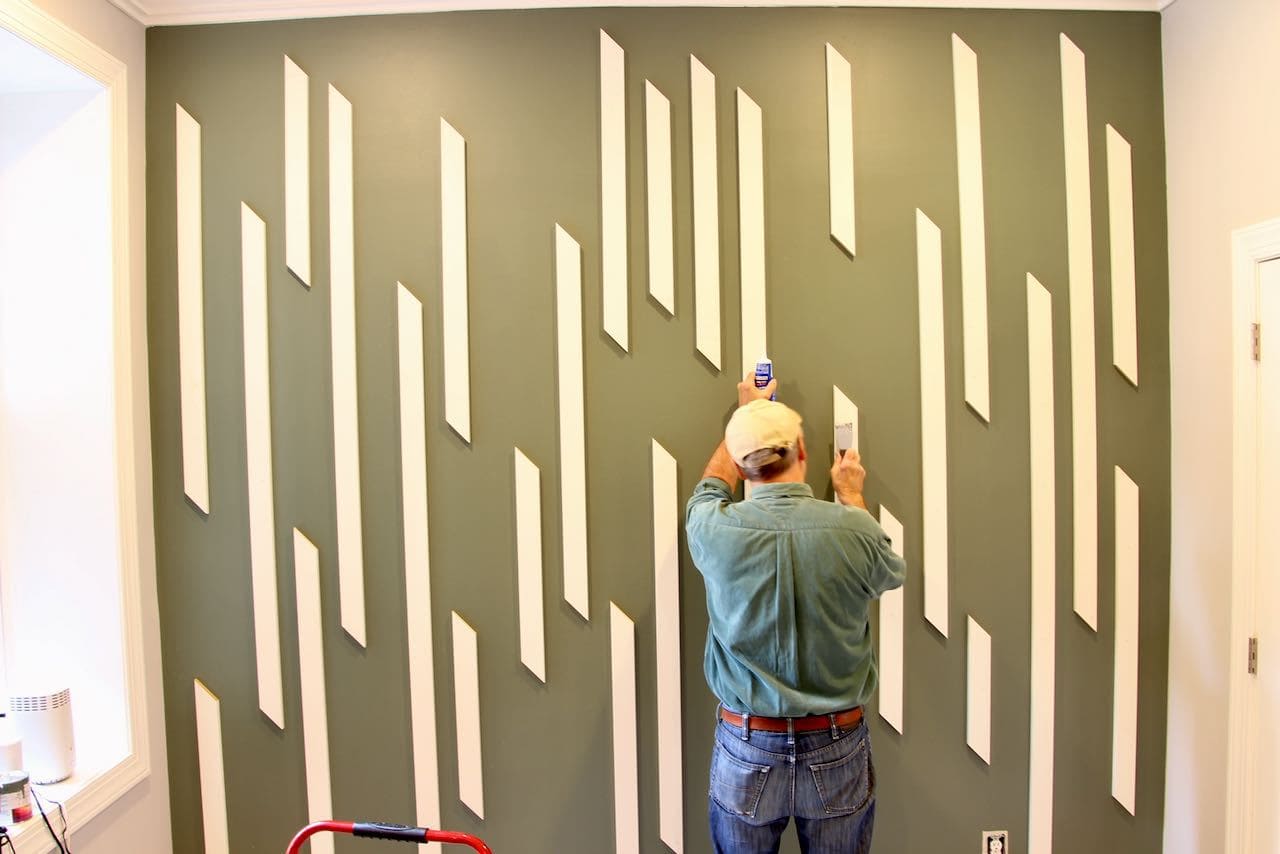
[
  {"x": 840, "y": 148},
  {"x": 1124, "y": 308},
  {"x": 342, "y": 322},
  {"x": 751, "y": 231},
  {"x": 417, "y": 561},
  {"x": 706, "y": 211},
  {"x": 666, "y": 600},
  {"x": 453, "y": 282},
  {"x": 613, "y": 188},
  {"x": 933, "y": 422},
  {"x": 195, "y": 439},
  {"x": 657, "y": 124},
  {"x": 213, "y": 787},
  {"x": 297, "y": 173},
  {"x": 315, "y": 709},
  {"x": 533, "y": 653},
  {"x": 891, "y": 625},
  {"x": 1043, "y": 567},
  {"x": 978, "y": 691},
  {"x": 1124, "y": 726},
  {"x": 466, "y": 699},
  {"x": 573, "y": 462},
  {"x": 257, "y": 427},
  {"x": 1084, "y": 403},
  {"x": 843, "y": 411},
  {"x": 973, "y": 228},
  {"x": 626, "y": 764}
]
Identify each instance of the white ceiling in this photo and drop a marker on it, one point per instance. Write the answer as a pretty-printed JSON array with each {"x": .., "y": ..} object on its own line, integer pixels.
[{"x": 160, "y": 12}]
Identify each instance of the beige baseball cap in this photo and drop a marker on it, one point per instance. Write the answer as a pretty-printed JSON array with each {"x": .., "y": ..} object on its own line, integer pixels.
[{"x": 761, "y": 432}]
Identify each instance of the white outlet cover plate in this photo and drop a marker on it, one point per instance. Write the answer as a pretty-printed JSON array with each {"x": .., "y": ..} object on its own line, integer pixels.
[{"x": 990, "y": 838}]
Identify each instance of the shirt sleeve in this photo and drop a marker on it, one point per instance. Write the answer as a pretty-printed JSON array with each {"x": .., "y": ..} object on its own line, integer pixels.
[
  {"x": 881, "y": 567},
  {"x": 709, "y": 496},
  {"x": 887, "y": 571}
]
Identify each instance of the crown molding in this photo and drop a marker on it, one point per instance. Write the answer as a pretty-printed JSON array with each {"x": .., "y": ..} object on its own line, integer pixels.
[
  {"x": 154, "y": 13},
  {"x": 134, "y": 10}
]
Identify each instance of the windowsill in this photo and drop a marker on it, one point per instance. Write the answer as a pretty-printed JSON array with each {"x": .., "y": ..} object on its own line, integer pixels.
[{"x": 84, "y": 795}]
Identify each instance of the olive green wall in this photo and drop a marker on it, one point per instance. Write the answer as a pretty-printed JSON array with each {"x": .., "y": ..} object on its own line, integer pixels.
[{"x": 522, "y": 87}]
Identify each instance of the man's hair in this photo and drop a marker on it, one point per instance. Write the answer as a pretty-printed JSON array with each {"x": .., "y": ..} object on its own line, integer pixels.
[{"x": 767, "y": 462}]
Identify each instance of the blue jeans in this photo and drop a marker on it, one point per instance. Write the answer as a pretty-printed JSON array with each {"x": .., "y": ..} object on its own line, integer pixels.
[{"x": 760, "y": 780}]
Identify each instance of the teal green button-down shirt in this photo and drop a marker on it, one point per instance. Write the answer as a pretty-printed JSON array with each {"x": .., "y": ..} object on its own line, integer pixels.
[{"x": 790, "y": 580}]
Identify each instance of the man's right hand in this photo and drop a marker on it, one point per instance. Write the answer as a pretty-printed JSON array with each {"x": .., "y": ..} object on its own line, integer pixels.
[
  {"x": 847, "y": 479},
  {"x": 748, "y": 392}
]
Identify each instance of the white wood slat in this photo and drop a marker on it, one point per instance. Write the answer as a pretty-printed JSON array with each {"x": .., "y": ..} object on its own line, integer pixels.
[
  {"x": 973, "y": 228},
  {"x": 1043, "y": 567},
  {"x": 843, "y": 411},
  {"x": 613, "y": 188},
  {"x": 297, "y": 173},
  {"x": 417, "y": 562},
  {"x": 315, "y": 709},
  {"x": 453, "y": 284},
  {"x": 573, "y": 462},
  {"x": 346, "y": 408},
  {"x": 666, "y": 598},
  {"x": 1124, "y": 727},
  {"x": 466, "y": 698},
  {"x": 195, "y": 438},
  {"x": 213, "y": 786},
  {"x": 529, "y": 565},
  {"x": 751, "y": 231},
  {"x": 890, "y": 654},
  {"x": 978, "y": 692},
  {"x": 933, "y": 416},
  {"x": 1124, "y": 309},
  {"x": 257, "y": 423},
  {"x": 706, "y": 211},
  {"x": 626, "y": 764},
  {"x": 657, "y": 117},
  {"x": 840, "y": 148},
  {"x": 1084, "y": 403}
]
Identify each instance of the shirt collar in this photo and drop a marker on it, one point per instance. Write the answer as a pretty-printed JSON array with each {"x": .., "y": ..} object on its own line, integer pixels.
[{"x": 781, "y": 490}]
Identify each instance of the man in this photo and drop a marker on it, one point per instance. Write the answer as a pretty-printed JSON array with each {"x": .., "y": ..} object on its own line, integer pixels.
[{"x": 789, "y": 580}]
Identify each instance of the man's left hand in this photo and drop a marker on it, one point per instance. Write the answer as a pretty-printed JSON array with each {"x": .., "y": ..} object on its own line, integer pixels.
[{"x": 848, "y": 477}]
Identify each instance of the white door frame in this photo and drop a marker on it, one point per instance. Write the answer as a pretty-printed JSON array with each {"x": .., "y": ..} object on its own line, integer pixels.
[{"x": 1249, "y": 247}]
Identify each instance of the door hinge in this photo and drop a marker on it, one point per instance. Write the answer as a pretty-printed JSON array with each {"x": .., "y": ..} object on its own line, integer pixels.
[
  {"x": 1257, "y": 342},
  {"x": 1253, "y": 656}
]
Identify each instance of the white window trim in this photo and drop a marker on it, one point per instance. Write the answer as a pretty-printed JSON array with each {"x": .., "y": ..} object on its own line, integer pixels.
[{"x": 35, "y": 25}]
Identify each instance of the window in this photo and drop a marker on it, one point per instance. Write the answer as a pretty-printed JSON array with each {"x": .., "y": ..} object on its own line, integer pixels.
[{"x": 69, "y": 611}]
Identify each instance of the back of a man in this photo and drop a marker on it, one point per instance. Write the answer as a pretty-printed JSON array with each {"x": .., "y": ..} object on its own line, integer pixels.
[{"x": 789, "y": 582}]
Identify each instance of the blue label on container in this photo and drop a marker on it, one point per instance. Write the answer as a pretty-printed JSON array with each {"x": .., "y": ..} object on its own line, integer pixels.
[{"x": 764, "y": 373}]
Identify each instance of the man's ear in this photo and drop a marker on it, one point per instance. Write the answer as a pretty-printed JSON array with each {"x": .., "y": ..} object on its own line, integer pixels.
[{"x": 800, "y": 449}]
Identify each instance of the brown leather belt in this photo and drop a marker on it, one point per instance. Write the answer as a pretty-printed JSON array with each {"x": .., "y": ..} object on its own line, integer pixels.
[{"x": 847, "y": 719}]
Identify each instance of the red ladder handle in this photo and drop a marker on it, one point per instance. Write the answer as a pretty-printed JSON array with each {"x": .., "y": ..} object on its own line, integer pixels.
[
  {"x": 458, "y": 839},
  {"x": 349, "y": 827},
  {"x": 318, "y": 827}
]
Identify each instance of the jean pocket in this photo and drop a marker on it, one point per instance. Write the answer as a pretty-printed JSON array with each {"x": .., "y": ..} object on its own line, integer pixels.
[
  {"x": 736, "y": 785},
  {"x": 847, "y": 784}
]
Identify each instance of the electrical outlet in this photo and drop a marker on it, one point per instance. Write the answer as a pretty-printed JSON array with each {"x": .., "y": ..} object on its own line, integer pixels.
[{"x": 995, "y": 842}]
